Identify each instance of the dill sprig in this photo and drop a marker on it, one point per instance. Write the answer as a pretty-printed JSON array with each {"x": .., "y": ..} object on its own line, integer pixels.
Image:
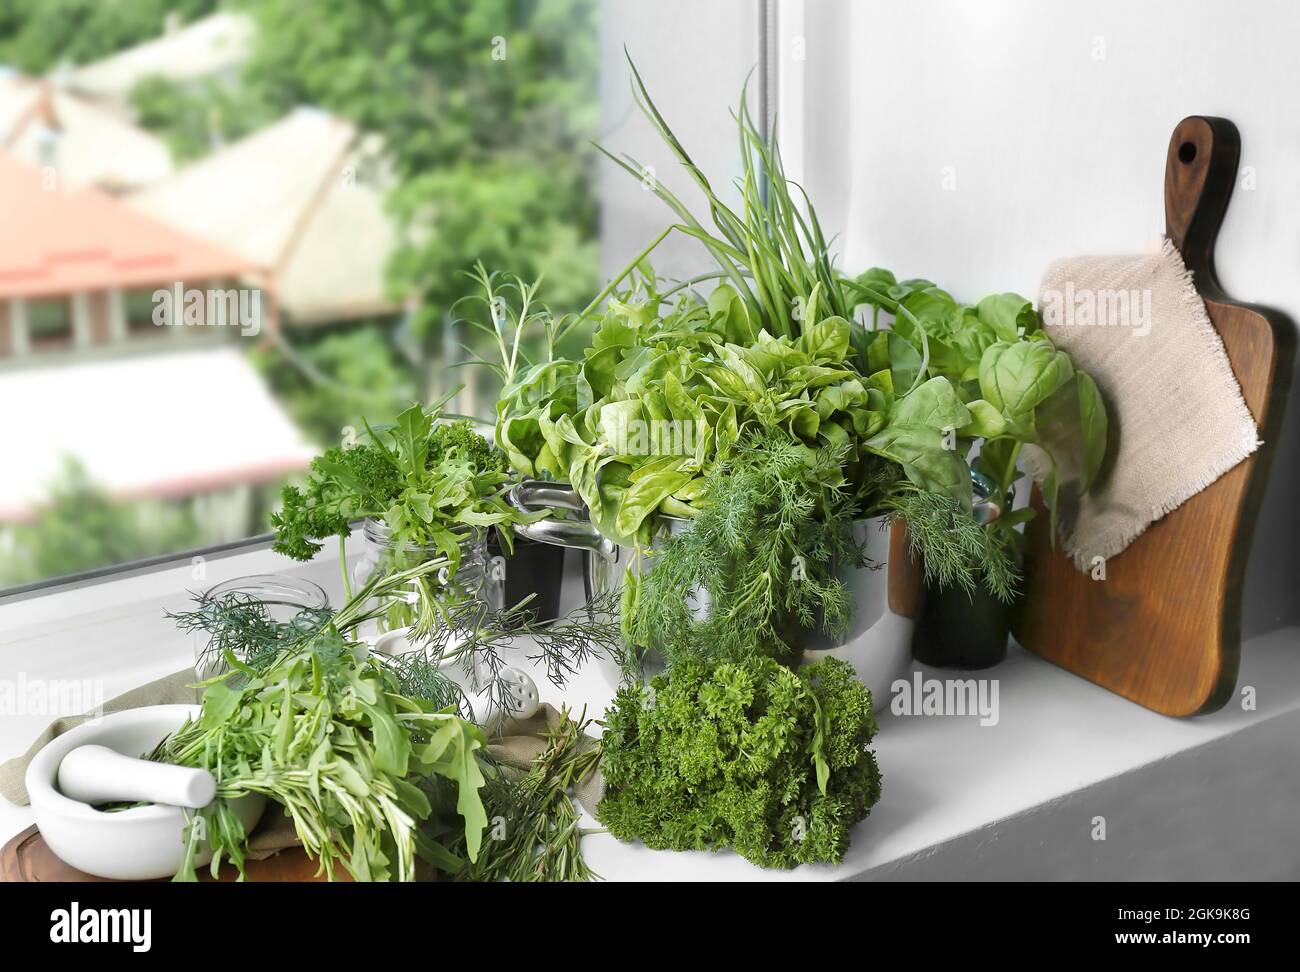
[
  {"x": 456, "y": 632},
  {"x": 481, "y": 641},
  {"x": 775, "y": 527},
  {"x": 954, "y": 548},
  {"x": 239, "y": 622}
]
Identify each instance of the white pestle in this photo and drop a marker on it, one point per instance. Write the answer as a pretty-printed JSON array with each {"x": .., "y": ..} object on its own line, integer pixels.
[{"x": 97, "y": 774}]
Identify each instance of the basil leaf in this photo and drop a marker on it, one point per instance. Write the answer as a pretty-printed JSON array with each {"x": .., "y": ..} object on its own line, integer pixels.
[
  {"x": 877, "y": 284},
  {"x": 827, "y": 340},
  {"x": 917, "y": 437},
  {"x": 1093, "y": 421},
  {"x": 1006, "y": 314},
  {"x": 1016, "y": 378},
  {"x": 986, "y": 421},
  {"x": 643, "y": 497}
]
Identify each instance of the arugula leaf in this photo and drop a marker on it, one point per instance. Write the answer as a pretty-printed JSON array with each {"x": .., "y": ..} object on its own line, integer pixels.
[{"x": 411, "y": 434}]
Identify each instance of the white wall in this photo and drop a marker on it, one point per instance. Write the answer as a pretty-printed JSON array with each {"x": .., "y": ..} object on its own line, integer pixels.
[
  {"x": 694, "y": 57},
  {"x": 973, "y": 142}
]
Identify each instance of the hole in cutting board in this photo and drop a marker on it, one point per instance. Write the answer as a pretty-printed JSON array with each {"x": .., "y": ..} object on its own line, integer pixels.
[{"x": 1186, "y": 152}]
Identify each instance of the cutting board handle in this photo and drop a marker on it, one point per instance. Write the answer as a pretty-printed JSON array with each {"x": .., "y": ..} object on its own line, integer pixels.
[{"x": 1200, "y": 170}]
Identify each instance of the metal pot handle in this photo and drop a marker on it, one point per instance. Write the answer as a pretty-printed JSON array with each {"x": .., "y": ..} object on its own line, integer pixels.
[
  {"x": 534, "y": 495},
  {"x": 985, "y": 508}
]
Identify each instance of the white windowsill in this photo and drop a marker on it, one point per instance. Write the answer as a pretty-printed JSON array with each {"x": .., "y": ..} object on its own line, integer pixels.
[{"x": 1209, "y": 797}]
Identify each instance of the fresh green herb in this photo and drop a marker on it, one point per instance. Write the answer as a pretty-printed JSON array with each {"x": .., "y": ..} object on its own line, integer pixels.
[
  {"x": 468, "y": 635},
  {"x": 670, "y": 398},
  {"x": 749, "y": 755},
  {"x": 428, "y": 482},
  {"x": 1023, "y": 396},
  {"x": 481, "y": 642},
  {"x": 515, "y": 318},
  {"x": 953, "y": 549},
  {"x": 331, "y": 739},
  {"x": 540, "y": 835},
  {"x": 772, "y": 255},
  {"x": 776, "y": 520},
  {"x": 775, "y": 346},
  {"x": 241, "y": 624}
]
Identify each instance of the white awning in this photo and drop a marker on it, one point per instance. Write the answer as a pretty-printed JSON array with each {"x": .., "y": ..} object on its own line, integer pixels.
[{"x": 164, "y": 424}]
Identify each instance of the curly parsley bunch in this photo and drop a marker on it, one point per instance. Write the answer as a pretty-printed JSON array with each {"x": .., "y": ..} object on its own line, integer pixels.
[{"x": 752, "y": 755}]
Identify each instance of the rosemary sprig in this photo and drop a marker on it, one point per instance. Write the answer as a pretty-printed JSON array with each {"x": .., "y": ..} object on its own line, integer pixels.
[{"x": 534, "y": 831}]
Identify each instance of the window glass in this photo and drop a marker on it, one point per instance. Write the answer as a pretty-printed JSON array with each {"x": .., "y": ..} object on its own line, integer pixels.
[
  {"x": 306, "y": 192},
  {"x": 49, "y": 323},
  {"x": 139, "y": 307}
]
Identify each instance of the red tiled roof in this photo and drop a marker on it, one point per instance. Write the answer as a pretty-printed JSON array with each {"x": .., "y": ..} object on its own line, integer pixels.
[{"x": 64, "y": 241}]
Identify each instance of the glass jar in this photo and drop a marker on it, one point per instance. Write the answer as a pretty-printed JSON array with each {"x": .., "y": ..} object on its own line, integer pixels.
[
  {"x": 478, "y": 576},
  {"x": 273, "y": 610}
]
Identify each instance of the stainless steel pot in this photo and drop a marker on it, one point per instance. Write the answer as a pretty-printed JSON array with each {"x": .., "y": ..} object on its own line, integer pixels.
[
  {"x": 885, "y": 593},
  {"x": 604, "y": 562}
]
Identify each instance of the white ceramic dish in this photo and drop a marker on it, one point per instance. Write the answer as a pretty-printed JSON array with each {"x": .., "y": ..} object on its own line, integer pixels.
[
  {"x": 520, "y": 691},
  {"x": 139, "y": 844}
]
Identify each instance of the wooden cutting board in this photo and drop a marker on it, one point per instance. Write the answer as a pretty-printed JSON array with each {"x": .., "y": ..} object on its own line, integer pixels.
[
  {"x": 28, "y": 858},
  {"x": 1163, "y": 627}
]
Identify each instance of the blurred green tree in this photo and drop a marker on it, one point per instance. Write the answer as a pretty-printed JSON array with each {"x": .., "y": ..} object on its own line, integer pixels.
[
  {"x": 38, "y": 35},
  {"x": 80, "y": 527},
  {"x": 486, "y": 108},
  {"x": 191, "y": 117},
  {"x": 339, "y": 378}
]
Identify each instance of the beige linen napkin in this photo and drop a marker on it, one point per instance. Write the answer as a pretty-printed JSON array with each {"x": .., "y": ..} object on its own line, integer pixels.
[{"x": 1177, "y": 418}]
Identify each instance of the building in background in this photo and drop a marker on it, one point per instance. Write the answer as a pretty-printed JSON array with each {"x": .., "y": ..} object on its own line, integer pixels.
[
  {"x": 48, "y": 127},
  {"x": 211, "y": 48},
  {"x": 302, "y": 197},
  {"x": 78, "y": 268},
  {"x": 87, "y": 376}
]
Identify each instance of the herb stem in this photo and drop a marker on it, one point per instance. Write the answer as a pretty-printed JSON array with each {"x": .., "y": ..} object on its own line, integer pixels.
[
  {"x": 1008, "y": 476},
  {"x": 614, "y": 282},
  {"x": 343, "y": 567}
]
